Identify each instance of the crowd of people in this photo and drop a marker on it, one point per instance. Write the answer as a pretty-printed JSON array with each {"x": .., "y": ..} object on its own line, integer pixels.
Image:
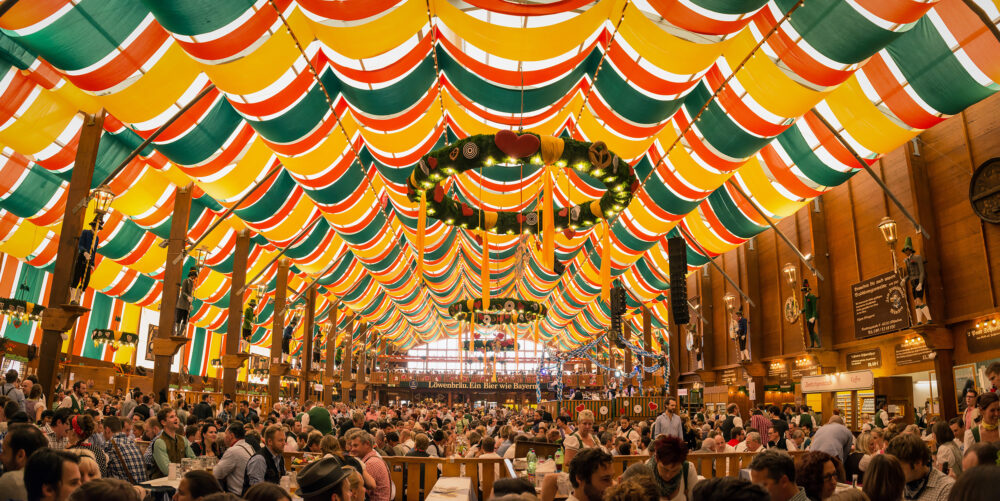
[{"x": 96, "y": 446}]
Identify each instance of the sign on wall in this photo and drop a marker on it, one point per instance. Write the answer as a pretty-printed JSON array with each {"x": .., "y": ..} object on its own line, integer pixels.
[
  {"x": 984, "y": 336},
  {"x": 865, "y": 359},
  {"x": 913, "y": 353},
  {"x": 468, "y": 385},
  {"x": 841, "y": 381},
  {"x": 880, "y": 306}
]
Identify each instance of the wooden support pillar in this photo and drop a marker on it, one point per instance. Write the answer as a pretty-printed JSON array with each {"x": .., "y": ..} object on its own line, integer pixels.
[
  {"x": 821, "y": 261},
  {"x": 709, "y": 336},
  {"x": 167, "y": 342},
  {"x": 231, "y": 361},
  {"x": 64, "y": 318},
  {"x": 647, "y": 344},
  {"x": 278, "y": 368},
  {"x": 346, "y": 381},
  {"x": 331, "y": 355},
  {"x": 362, "y": 381},
  {"x": 627, "y": 328},
  {"x": 307, "y": 344}
]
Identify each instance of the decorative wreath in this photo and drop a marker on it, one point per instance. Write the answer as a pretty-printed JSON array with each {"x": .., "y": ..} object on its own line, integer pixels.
[
  {"x": 502, "y": 311},
  {"x": 508, "y": 148}
]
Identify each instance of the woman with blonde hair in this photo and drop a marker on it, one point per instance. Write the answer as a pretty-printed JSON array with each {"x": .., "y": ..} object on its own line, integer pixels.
[
  {"x": 357, "y": 485},
  {"x": 583, "y": 437}
]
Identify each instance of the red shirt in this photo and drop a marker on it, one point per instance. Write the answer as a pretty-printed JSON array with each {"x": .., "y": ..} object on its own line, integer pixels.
[{"x": 375, "y": 466}]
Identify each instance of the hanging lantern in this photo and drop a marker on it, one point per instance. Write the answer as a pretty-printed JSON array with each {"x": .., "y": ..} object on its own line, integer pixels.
[{"x": 102, "y": 196}]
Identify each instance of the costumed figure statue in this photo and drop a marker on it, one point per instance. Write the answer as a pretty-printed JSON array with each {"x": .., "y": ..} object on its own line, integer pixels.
[
  {"x": 810, "y": 310},
  {"x": 739, "y": 329},
  {"x": 184, "y": 299},
  {"x": 248, "y": 319},
  {"x": 317, "y": 354},
  {"x": 917, "y": 276},
  {"x": 86, "y": 249},
  {"x": 286, "y": 337}
]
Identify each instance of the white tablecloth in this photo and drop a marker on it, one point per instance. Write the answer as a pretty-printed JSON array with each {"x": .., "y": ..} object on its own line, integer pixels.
[
  {"x": 163, "y": 482},
  {"x": 452, "y": 489}
]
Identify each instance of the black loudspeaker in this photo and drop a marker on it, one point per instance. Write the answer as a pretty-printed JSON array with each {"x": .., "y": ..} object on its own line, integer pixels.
[{"x": 677, "y": 253}]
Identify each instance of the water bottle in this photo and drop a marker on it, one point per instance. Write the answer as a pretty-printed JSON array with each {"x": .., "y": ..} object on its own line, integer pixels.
[
  {"x": 559, "y": 459},
  {"x": 532, "y": 462}
]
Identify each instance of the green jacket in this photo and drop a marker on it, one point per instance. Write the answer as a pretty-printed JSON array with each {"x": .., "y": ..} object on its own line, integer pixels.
[{"x": 809, "y": 308}]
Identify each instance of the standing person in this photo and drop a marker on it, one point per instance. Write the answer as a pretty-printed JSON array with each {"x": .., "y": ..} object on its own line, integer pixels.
[
  {"x": 51, "y": 475},
  {"x": 268, "y": 464},
  {"x": 171, "y": 446},
  {"x": 249, "y": 317},
  {"x": 917, "y": 276},
  {"x": 230, "y": 469},
  {"x": 74, "y": 401},
  {"x": 669, "y": 423},
  {"x": 949, "y": 454},
  {"x": 805, "y": 419},
  {"x": 993, "y": 374},
  {"x": 184, "y": 299},
  {"x": 582, "y": 438},
  {"x": 775, "y": 472},
  {"x": 85, "y": 253},
  {"x": 318, "y": 417},
  {"x": 986, "y": 430},
  {"x": 20, "y": 442},
  {"x": 760, "y": 422},
  {"x": 834, "y": 439},
  {"x": 10, "y": 390},
  {"x": 203, "y": 410},
  {"x": 923, "y": 483},
  {"x": 674, "y": 476},
  {"x": 124, "y": 458},
  {"x": 362, "y": 447},
  {"x": 731, "y": 421},
  {"x": 590, "y": 474},
  {"x": 626, "y": 431},
  {"x": 809, "y": 311},
  {"x": 971, "y": 410}
]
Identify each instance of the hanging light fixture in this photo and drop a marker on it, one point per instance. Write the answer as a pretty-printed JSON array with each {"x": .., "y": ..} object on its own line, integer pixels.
[
  {"x": 730, "y": 300},
  {"x": 888, "y": 228},
  {"x": 103, "y": 197},
  {"x": 791, "y": 273},
  {"x": 200, "y": 255}
]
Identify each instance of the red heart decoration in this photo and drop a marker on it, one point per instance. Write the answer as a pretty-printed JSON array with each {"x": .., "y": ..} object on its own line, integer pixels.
[
  {"x": 520, "y": 217},
  {"x": 652, "y": 406},
  {"x": 438, "y": 194},
  {"x": 479, "y": 240},
  {"x": 564, "y": 212},
  {"x": 581, "y": 408},
  {"x": 569, "y": 232},
  {"x": 621, "y": 411},
  {"x": 466, "y": 210},
  {"x": 432, "y": 162},
  {"x": 516, "y": 146},
  {"x": 477, "y": 304}
]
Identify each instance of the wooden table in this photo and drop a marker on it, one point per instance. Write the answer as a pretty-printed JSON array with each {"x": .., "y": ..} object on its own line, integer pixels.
[{"x": 452, "y": 489}]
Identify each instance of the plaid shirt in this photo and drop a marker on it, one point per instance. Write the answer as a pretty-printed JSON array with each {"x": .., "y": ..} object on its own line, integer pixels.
[
  {"x": 762, "y": 424},
  {"x": 130, "y": 453},
  {"x": 938, "y": 488},
  {"x": 147, "y": 457}
]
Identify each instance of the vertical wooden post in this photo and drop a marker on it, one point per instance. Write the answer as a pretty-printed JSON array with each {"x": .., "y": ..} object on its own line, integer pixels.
[
  {"x": 647, "y": 344},
  {"x": 361, "y": 383},
  {"x": 627, "y": 334},
  {"x": 821, "y": 261},
  {"x": 173, "y": 269},
  {"x": 235, "y": 321},
  {"x": 305, "y": 386},
  {"x": 331, "y": 355},
  {"x": 348, "y": 360},
  {"x": 278, "y": 328},
  {"x": 72, "y": 223}
]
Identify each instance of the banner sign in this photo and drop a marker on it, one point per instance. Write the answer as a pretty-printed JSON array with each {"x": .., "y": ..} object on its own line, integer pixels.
[
  {"x": 913, "y": 353},
  {"x": 467, "y": 385},
  {"x": 880, "y": 306},
  {"x": 985, "y": 336},
  {"x": 866, "y": 359},
  {"x": 841, "y": 381}
]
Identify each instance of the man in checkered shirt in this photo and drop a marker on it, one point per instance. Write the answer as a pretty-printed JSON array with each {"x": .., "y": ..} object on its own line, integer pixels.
[
  {"x": 923, "y": 482},
  {"x": 125, "y": 462}
]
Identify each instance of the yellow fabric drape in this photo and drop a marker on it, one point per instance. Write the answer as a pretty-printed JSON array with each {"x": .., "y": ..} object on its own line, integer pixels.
[
  {"x": 421, "y": 231},
  {"x": 606, "y": 263}
]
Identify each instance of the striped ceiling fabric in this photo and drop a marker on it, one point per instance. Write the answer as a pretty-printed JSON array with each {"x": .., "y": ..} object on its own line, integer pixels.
[{"x": 692, "y": 93}]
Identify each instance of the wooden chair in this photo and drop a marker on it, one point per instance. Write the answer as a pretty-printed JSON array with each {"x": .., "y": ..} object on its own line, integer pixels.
[{"x": 542, "y": 449}]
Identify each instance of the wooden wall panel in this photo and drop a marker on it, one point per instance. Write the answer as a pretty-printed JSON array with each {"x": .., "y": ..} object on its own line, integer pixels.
[
  {"x": 769, "y": 269},
  {"x": 983, "y": 124}
]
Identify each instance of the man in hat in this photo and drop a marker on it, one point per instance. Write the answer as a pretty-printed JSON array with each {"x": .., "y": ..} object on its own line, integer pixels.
[
  {"x": 184, "y": 298},
  {"x": 917, "y": 277},
  {"x": 740, "y": 328},
  {"x": 286, "y": 336},
  {"x": 809, "y": 310},
  {"x": 86, "y": 248},
  {"x": 325, "y": 480},
  {"x": 248, "y": 320}
]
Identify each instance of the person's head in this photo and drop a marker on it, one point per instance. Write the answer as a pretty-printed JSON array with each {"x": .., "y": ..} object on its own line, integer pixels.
[
  {"x": 670, "y": 453},
  {"x": 20, "y": 442},
  {"x": 10, "y": 376},
  {"x": 360, "y": 442},
  {"x": 209, "y": 432},
  {"x": 733, "y": 409},
  {"x": 728, "y": 489},
  {"x": 753, "y": 441},
  {"x": 884, "y": 478},
  {"x": 989, "y": 405},
  {"x": 235, "y": 433},
  {"x": 979, "y": 454},
  {"x": 585, "y": 422},
  {"x": 487, "y": 444},
  {"x": 636, "y": 488},
  {"x": 421, "y": 442},
  {"x": 775, "y": 472},
  {"x": 505, "y": 486},
  {"x": 672, "y": 405},
  {"x": 981, "y": 483},
  {"x": 817, "y": 473},
  {"x": 83, "y": 426},
  {"x": 105, "y": 489},
  {"x": 168, "y": 420},
  {"x": 942, "y": 433},
  {"x": 331, "y": 445},
  {"x": 912, "y": 453},
  {"x": 266, "y": 491},
  {"x": 79, "y": 388},
  {"x": 325, "y": 480},
  {"x": 51, "y": 475},
  {"x": 970, "y": 397},
  {"x": 89, "y": 469},
  {"x": 590, "y": 473},
  {"x": 357, "y": 483},
  {"x": 195, "y": 485},
  {"x": 993, "y": 373},
  {"x": 60, "y": 422},
  {"x": 274, "y": 439}
]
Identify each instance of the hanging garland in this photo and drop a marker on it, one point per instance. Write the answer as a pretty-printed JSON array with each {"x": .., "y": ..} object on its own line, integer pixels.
[
  {"x": 507, "y": 148},
  {"x": 501, "y": 311}
]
